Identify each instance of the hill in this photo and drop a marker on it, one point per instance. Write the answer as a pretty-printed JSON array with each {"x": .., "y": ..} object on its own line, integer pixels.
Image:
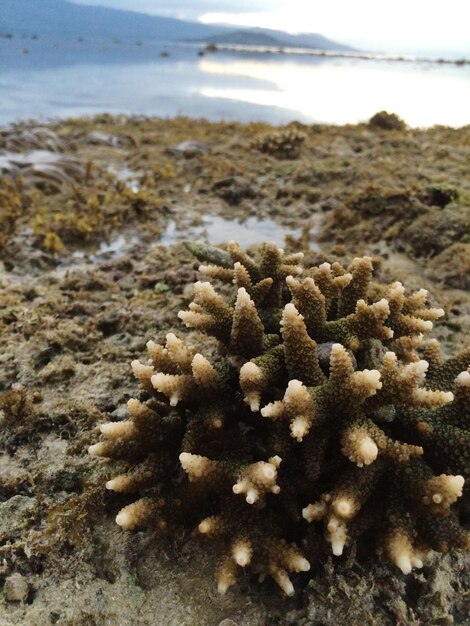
[
  {"x": 64, "y": 20},
  {"x": 267, "y": 37}
]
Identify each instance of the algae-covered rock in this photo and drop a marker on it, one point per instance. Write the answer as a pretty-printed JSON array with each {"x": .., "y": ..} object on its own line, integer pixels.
[
  {"x": 452, "y": 266},
  {"x": 387, "y": 121},
  {"x": 437, "y": 229},
  {"x": 17, "y": 514}
]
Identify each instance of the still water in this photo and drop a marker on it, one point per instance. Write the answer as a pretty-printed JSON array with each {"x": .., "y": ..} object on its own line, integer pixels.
[{"x": 69, "y": 81}]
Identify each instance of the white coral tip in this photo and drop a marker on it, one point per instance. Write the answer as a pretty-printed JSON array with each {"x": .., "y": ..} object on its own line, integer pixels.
[
  {"x": 284, "y": 582},
  {"x": 268, "y": 471},
  {"x": 301, "y": 565},
  {"x": 372, "y": 378},
  {"x": 416, "y": 562},
  {"x": 124, "y": 519},
  {"x": 299, "y": 428},
  {"x": 403, "y": 562},
  {"x": 222, "y": 587},
  {"x": 314, "y": 512},
  {"x": 120, "y": 483},
  {"x": 396, "y": 289},
  {"x": 275, "y": 460},
  {"x": 96, "y": 449},
  {"x": 108, "y": 428},
  {"x": 242, "y": 554},
  {"x": 368, "y": 450},
  {"x": 274, "y": 410},
  {"x": 252, "y": 496},
  {"x": 463, "y": 379},
  {"x": 455, "y": 484},
  {"x": 205, "y": 526},
  {"x": 290, "y": 311},
  {"x": 338, "y": 540},
  {"x": 382, "y": 306},
  {"x": 344, "y": 507}
]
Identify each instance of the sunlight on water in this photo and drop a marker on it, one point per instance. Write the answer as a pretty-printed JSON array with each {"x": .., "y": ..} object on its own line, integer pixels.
[
  {"x": 215, "y": 229},
  {"x": 346, "y": 92},
  {"x": 229, "y": 85}
]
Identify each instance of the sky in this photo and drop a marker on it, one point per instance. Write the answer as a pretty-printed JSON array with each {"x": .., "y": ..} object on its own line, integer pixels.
[{"x": 396, "y": 26}]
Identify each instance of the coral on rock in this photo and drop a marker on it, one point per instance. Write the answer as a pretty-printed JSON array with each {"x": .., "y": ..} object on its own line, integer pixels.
[
  {"x": 282, "y": 144},
  {"x": 387, "y": 121},
  {"x": 322, "y": 413}
]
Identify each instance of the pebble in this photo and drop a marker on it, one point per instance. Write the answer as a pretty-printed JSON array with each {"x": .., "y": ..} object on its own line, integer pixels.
[
  {"x": 189, "y": 148},
  {"x": 16, "y": 588}
]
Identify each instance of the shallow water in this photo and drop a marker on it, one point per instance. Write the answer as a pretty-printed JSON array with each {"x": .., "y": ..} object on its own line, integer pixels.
[
  {"x": 215, "y": 229},
  {"x": 73, "y": 81},
  {"x": 212, "y": 229}
]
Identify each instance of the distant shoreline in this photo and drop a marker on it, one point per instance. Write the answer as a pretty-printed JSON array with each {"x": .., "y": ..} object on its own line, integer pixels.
[
  {"x": 364, "y": 56},
  {"x": 45, "y": 78},
  {"x": 205, "y": 46}
]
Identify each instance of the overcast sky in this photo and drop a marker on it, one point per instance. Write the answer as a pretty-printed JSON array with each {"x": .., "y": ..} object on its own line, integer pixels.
[{"x": 406, "y": 26}]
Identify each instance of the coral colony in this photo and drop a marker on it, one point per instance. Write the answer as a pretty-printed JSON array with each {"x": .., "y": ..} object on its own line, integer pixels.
[
  {"x": 323, "y": 412},
  {"x": 282, "y": 144}
]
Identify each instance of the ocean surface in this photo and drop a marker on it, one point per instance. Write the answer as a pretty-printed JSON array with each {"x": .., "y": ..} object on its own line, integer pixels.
[{"x": 42, "y": 79}]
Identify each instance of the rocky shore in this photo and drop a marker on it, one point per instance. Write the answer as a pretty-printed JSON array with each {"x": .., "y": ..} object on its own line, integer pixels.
[{"x": 93, "y": 213}]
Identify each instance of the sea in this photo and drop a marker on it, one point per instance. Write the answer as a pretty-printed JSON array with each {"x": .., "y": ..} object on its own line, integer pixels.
[{"x": 45, "y": 79}]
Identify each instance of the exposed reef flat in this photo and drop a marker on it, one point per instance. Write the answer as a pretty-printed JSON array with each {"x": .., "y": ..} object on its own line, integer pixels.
[{"x": 92, "y": 215}]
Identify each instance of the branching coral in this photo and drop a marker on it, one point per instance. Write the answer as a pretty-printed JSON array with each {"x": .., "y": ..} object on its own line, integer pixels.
[
  {"x": 321, "y": 405},
  {"x": 387, "y": 121},
  {"x": 283, "y": 144}
]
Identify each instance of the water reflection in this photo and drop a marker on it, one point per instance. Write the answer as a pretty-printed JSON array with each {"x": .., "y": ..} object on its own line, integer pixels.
[
  {"x": 215, "y": 229},
  {"x": 230, "y": 86},
  {"x": 344, "y": 91}
]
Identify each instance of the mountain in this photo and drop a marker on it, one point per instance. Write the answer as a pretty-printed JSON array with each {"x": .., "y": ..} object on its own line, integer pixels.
[
  {"x": 243, "y": 37},
  {"x": 61, "y": 19},
  {"x": 267, "y": 37}
]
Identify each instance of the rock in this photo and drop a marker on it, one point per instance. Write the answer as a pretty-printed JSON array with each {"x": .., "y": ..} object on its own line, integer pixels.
[
  {"x": 233, "y": 190},
  {"x": 119, "y": 414},
  {"x": 452, "y": 266},
  {"x": 16, "y": 588},
  {"x": 189, "y": 149},
  {"x": 440, "y": 194},
  {"x": 16, "y": 515},
  {"x": 98, "y": 137},
  {"x": 437, "y": 229},
  {"x": 387, "y": 121}
]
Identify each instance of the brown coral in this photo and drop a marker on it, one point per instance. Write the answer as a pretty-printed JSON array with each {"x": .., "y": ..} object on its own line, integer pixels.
[
  {"x": 309, "y": 375},
  {"x": 282, "y": 144}
]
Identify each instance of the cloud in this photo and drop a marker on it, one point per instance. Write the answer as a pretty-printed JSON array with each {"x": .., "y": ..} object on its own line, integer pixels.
[
  {"x": 183, "y": 9},
  {"x": 403, "y": 26}
]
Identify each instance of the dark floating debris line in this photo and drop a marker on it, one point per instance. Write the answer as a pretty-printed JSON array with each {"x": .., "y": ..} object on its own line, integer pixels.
[{"x": 333, "y": 54}]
